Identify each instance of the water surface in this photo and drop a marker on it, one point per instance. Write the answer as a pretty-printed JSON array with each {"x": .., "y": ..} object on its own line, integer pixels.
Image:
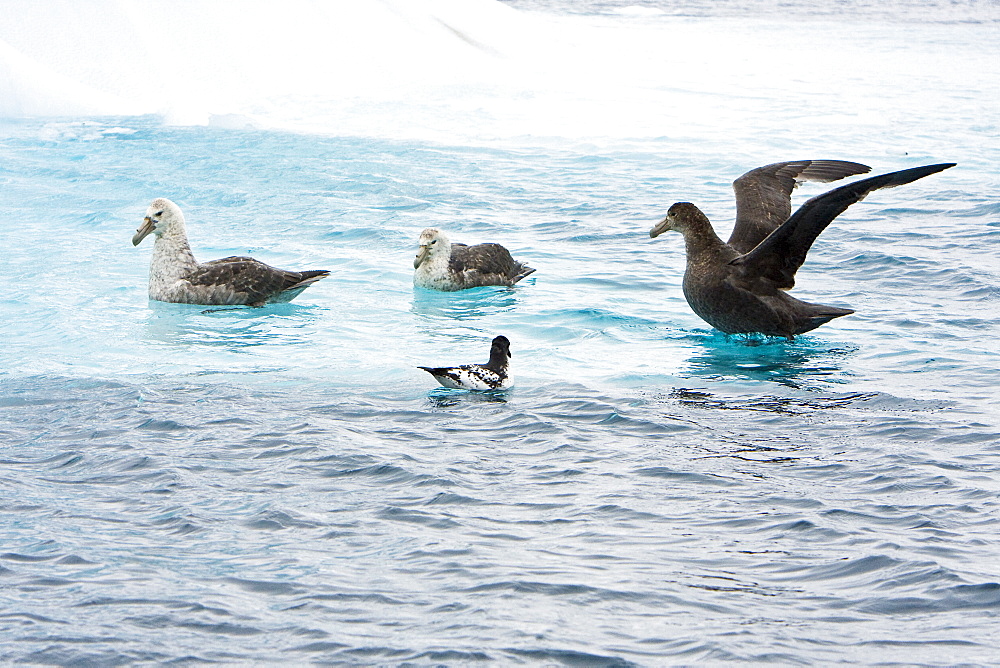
[{"x": 189, "y": 485}]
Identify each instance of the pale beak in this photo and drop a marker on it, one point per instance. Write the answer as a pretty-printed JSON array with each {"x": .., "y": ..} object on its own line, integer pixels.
[
  {"x": 421, "y": 255},
  {"x": 660, "y": 228},
  {"x": 146, "y": 227}
]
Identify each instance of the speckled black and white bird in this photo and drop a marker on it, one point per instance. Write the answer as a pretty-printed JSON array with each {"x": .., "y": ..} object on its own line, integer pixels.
[
  {"x": 490, "y": 376},
  {"x": 443, "y": 265},
  {"x": 175, "y": 276},
  {"x": 739, "y": 287}
]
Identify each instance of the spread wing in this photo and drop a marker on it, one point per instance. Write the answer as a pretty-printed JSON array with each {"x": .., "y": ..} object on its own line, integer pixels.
[
  {"x": 250, "y": 281},
  {"x": 779, "y": 256},
  {"x": 764, "y": 195}
]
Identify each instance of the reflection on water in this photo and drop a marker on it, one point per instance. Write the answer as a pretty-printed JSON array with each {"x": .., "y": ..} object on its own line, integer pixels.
[
  {"x": 798, "y": 364},
  {"x": 463, "y": 304},
  {"x": 445, "y": 397},
  {"x": 768, "y": 403},
  {"x": 228, "y": 326}
]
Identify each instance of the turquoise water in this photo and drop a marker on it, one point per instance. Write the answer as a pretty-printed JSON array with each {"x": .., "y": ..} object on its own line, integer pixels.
[{"x": 284, "y": 485}]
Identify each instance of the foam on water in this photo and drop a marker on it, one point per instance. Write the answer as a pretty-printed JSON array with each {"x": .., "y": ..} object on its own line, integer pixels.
[{"x": 284, "y": 485}]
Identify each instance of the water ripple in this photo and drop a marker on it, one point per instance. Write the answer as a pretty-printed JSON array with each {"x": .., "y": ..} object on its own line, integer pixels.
[{"x": 285, "y": 484}]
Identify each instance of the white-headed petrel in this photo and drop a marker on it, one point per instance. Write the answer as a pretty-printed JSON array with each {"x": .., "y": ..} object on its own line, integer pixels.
[
  {"x": 175, "y": 276},
  {"x": 443, "y": 265}
]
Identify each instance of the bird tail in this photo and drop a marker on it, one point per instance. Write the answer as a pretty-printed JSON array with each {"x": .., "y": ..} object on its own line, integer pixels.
[
  {"x": 295, "y": 283},
  {"x": 525, "y": 270},
  {"x": 308, "y": 278},
  {"x": 822, "y": 315}
]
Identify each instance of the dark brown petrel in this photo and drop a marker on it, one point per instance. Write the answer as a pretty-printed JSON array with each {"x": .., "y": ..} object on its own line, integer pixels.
[{"x": 739, "y": 287}]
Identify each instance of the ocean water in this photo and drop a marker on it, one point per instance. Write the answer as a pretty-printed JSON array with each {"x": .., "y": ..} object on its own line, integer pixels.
[{"x": 183, "y": 485}]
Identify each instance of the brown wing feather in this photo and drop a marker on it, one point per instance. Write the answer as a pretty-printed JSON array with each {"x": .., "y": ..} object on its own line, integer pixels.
[
  {"x": 780, "y": 255},
  {"x": 490, "y": 261},
  {"x": 764, "y": 195},
  {"x": 252, "y": 279}
]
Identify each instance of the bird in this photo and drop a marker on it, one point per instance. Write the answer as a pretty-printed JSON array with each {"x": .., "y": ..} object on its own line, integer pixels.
[
  {"x": 443, "y": 265},
  {"x": 739, "y": 287},
  {"x": 175, "y": 276},
  {"x": 490, "y": 376}
]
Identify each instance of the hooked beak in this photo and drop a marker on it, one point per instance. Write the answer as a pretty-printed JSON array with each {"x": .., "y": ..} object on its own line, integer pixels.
[
  {"x": 660, "y": 228},
  {"x": 144, "y": 229},
  {"x": 421, "y": 255}
]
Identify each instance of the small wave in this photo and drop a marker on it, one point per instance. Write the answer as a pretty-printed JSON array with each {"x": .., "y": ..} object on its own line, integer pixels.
[
  {"x": 571, "y": 658},
  {"x": 269, "y": 587},
  {"x": 448, "y": 498},
  {"x": 276, "y": 520},
  {"x": 416, "y": 517},
  {"x": 962, "y": 597},
  {"x": 684, "y": 476}
]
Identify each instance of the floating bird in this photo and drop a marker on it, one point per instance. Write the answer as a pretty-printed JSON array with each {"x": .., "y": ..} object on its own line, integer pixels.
[
  {"x": 442, "y": 265},
  {"x": 490, "y": 376},
  {"x": 175, "y": 276},
  {"x": 739, "y": 287}
]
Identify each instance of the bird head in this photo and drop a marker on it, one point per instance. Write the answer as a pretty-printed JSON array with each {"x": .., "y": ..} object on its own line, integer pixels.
[
  {"x": 160, "y": 216},
  {"x": 499, "y": 353},
  {"x": 432, "y": 242},
  {"x": 679, "y": 217},
  {"x": 501, "y": 344}
]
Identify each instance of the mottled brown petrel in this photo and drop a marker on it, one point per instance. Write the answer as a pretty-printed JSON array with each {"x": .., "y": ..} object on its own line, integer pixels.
[
  {"x": 441, "y": 264},
  {"x": 175, "y": 276},
  {"x": 739, "y": 287}
]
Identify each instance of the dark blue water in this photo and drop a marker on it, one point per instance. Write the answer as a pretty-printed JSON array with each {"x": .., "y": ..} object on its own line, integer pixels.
[{"x": 284, "y": 485}]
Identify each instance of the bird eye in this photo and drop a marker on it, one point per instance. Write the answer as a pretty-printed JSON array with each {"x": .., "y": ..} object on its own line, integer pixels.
[
  {"x": 435, "y": 241},
  {"x": 158, "y": 214}
]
